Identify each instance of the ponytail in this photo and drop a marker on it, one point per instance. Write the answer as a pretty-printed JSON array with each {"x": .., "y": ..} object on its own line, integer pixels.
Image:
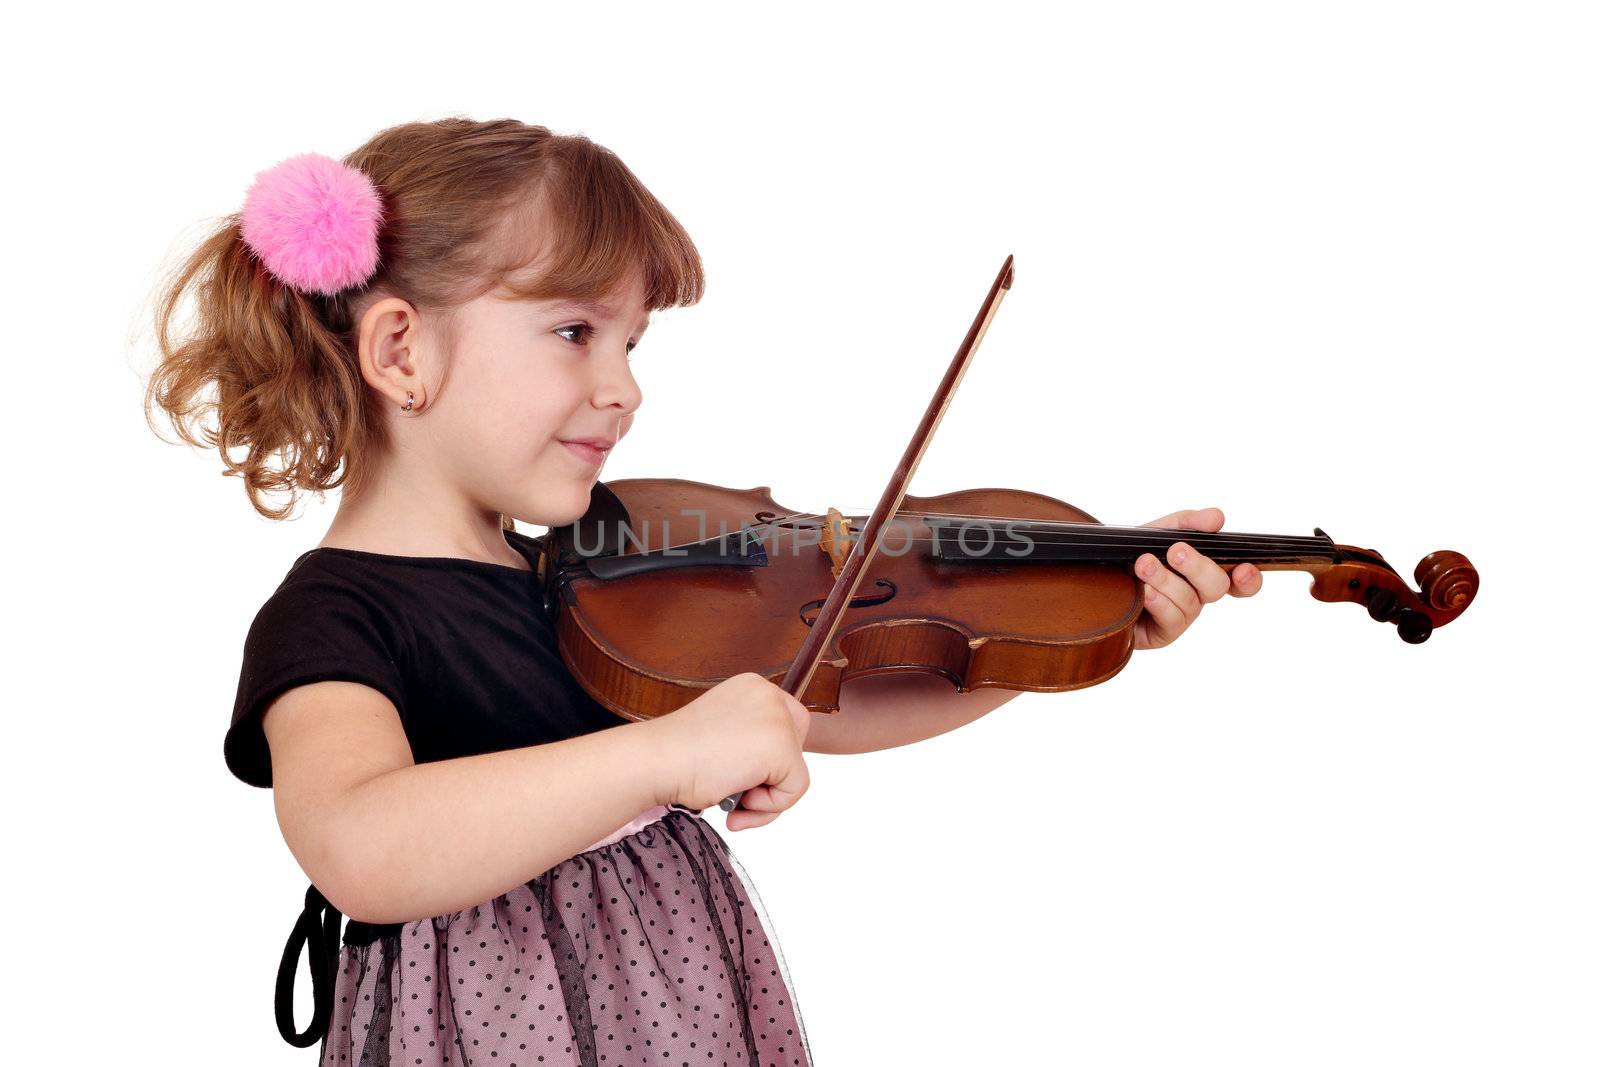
[{"x": 283, "y": 367}]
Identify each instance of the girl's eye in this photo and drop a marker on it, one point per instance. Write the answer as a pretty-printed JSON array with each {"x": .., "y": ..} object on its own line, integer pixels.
[{"x": 586, "y": 334}]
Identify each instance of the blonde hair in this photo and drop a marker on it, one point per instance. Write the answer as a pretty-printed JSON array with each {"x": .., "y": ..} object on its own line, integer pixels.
[{"x": 468, "y": 207}]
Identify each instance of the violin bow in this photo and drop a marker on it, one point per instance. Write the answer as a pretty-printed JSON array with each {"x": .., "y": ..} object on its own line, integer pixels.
[{"x": 866, "y": 544}]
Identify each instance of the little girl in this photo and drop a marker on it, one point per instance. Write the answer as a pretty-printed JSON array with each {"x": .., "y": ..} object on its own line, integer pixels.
[{"x": 441, "y": 324}]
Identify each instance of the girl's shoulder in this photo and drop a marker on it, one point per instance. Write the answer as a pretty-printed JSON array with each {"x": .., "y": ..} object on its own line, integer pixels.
[
  {"x": 373, "y": 618},
  {"x": 328, "y": 620}
]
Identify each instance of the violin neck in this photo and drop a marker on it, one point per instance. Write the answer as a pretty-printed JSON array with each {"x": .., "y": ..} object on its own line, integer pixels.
[{"x": 959, "y": 537}]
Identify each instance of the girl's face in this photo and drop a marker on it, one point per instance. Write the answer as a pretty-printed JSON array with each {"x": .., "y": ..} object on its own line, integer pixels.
[{"x": 535, "y": 396}]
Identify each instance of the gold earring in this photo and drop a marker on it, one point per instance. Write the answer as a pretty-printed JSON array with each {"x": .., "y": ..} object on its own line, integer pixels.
[{"x": 410, "y": 400}]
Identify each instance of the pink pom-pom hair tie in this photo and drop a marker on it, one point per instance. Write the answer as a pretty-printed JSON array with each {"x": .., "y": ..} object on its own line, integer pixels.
[{"x": 313, "y": 222}]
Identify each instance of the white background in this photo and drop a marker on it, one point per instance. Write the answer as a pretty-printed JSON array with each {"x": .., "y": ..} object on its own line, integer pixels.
[{"x": 1318, "y": 266}]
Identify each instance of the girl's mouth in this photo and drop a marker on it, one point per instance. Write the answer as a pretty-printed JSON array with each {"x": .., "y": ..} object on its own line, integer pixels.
[{"x": 592, "y": 450}]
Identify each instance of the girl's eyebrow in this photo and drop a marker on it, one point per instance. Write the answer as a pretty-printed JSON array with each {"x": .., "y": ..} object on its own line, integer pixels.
[
  {"x": 605, "y": 311},
  {"x": 593, "y": 307}
]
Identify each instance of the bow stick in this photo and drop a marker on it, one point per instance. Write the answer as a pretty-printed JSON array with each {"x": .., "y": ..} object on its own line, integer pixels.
[{"x": 866, "y": 546}]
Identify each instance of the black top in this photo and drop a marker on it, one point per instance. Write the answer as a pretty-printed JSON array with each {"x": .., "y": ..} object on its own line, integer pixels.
[{"x": 463, "y": 648}]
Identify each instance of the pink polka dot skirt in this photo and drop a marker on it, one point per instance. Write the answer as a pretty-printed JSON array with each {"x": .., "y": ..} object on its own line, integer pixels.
[{"x": 650, "y": 948}]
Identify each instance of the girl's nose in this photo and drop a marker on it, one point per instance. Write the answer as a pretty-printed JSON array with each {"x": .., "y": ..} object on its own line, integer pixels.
[{"x": 616, "y": 386}]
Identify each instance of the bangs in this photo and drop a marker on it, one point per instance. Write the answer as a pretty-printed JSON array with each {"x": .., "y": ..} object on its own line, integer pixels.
[{"x": 586, "y": 227}]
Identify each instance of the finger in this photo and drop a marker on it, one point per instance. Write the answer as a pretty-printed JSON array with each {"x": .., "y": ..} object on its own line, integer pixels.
[
  {"x": 1176, "y": 589},
  {"x": 1245, "y": 580},
  {"x": 740, "y": 819},
  {"x": 1167, "y": 621},
  {"x": 782, "y": 794},
  {"x": 1208, "y": 520},
  {"x": 801, "y": 716},
  {"x": 1210, "y": 581}
]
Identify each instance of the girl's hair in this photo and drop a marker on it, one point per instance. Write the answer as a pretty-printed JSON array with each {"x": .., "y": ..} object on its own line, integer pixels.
[{"x": 467, "y": 207}]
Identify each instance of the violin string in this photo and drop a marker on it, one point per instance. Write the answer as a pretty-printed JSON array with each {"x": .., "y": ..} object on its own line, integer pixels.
[
  {"x": 1090, "y": 536},
  {"x": 1093, "y": 535},
  {"x": 1070, "y": 527},
  {"x": 1224, "y": 546},
  {"x": 1318, "y": 549},
  {"x": 1055, "y": 526},
  {"x": 1118, "y": 549},
  {"x": 1127, "y": 547},
  {"x": 1090, "y": 539}
]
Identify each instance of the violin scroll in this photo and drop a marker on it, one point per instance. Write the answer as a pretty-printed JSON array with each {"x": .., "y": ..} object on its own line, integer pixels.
[{"x": 1446, "y": 580}]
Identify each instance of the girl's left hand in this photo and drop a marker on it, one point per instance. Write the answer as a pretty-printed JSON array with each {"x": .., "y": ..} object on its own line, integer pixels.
[{"x": 1173, "y": 601}]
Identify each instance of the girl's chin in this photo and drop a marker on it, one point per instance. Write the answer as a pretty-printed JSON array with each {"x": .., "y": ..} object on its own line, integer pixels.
[{"x": 564, "y": 502}]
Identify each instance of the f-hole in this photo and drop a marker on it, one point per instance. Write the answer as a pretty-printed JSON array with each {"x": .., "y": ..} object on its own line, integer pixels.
[{"x": 809, "y": 610}]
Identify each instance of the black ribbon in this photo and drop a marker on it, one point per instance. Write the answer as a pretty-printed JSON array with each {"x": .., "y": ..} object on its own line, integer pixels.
[{"x": 318, "y": 929}]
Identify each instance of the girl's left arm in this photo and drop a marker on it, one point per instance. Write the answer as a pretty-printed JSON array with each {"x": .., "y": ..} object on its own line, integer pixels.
[{"x": 889, "y": 710}]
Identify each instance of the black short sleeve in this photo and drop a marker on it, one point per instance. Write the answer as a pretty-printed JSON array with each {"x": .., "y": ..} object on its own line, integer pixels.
[{"x": 309, "y": 631}]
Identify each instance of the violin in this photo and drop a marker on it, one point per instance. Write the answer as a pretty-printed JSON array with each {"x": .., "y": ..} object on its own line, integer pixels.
[
  {"x": 666, "y": 587},
  {"x": 985, "y": 587}
]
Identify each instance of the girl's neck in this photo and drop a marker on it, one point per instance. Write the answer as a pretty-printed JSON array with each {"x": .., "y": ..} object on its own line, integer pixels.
[{"x": 409, "y": 522}]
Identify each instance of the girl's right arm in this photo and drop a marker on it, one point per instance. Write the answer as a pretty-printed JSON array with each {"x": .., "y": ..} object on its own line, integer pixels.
[{"x": 389, "y": 840}]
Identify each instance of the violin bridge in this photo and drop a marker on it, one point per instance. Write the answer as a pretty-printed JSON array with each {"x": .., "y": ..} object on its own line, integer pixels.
[{"x": 836, "y": 540}]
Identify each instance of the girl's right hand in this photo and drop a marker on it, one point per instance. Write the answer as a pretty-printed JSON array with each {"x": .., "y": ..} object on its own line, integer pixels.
[{"x": 743, "y": 734}]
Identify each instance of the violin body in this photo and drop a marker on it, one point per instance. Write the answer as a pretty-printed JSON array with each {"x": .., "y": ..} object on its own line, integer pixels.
[{"x": 645, "y": 632}]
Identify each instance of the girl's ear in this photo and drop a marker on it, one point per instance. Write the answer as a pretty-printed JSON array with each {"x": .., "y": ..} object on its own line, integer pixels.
[{"x": 390, "y": 355}]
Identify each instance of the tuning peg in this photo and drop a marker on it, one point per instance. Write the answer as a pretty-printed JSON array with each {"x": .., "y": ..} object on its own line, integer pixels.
[
  {"x": 1381, "y": 603},
  {"x": 1414, "y": 626}
]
